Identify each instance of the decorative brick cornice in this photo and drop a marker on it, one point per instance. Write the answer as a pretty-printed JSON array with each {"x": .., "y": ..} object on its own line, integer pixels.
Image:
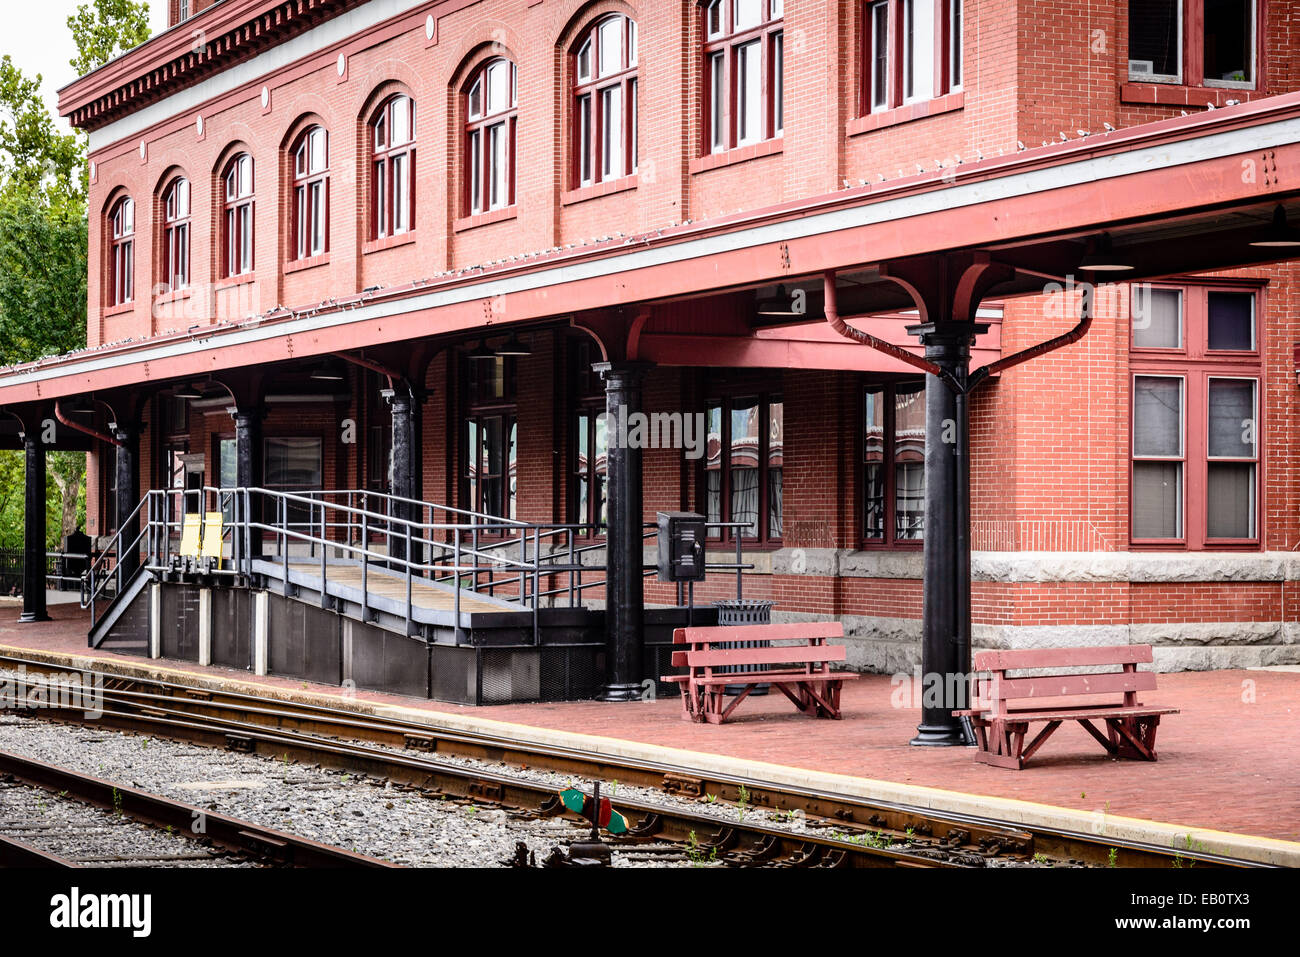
[{"x": 207, "y": 43}]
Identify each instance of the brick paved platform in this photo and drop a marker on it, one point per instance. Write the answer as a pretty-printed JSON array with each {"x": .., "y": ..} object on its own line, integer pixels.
[{"x": 1228, "y": 762}]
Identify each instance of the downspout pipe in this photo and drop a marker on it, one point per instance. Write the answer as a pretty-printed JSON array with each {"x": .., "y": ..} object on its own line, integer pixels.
[
  {"x": 867, "y": 339},
  {"x": 981, "y": 375},
  {"x": 78, "y": 427}
]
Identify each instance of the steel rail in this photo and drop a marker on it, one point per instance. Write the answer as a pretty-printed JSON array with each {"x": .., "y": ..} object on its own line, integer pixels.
[
  {"x": 16, "y": 853},
  {"x": 745, "y": 841},
  {"x": 232, "y": 833},
  {"x": 229, "y": 715}
]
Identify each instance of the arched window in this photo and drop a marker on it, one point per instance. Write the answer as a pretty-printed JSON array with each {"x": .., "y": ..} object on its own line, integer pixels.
[
  {"x": 176, "y": 234},
  {"x": 311, "y": 193},
  {"x": 605, "y": 101},
  {"x": 392, "y": 184},
  {"x": 237, "y": 223},
  {"x": 121, "y": 252},
  {"x": 744, "y": 46},
  {"x": 491, "y": 119}
]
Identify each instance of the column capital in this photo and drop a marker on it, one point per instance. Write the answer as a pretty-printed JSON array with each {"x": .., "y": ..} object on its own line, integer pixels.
[
  {"x": 626, "y": 372},
  {"x": 947, "y": 332}
]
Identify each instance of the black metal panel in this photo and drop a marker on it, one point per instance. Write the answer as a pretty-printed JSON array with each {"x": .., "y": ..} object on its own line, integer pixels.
[
  {"x": 384, "y": 661},
  {"x": 454, "y": 674},
  {"x": 179, "y": 627},
  {"x": 232, "y": 627},
  {"x": 571, "y": 674},
  {"x": 303, "y": 641}
]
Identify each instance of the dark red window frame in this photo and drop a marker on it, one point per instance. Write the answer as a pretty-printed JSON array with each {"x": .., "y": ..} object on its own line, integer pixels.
[
  {"x": 483, "y": 402},
  {"x": 1195, "y": 365},
  {"x": 948, "y": 62},
  {"x": 764, "y": 466},
  {"x": 483, "y": 120},
  {"x": 121, "y": 252},
  {"x": 311, "y": 195},
  {"x": 238, "y": 222},
  {"x": 1191, "y": 53},
  {"x": 721, "y": 74},
  {"x": 889, "y": 457},
  {"x": 392, "y": 168},
  {"x": 177, "y": 205},
  {"x": 592, "y": 95}
]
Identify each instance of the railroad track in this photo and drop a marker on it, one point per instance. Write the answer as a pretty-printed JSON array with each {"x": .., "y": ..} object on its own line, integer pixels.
[
  {"x": 841, "y": 830},
  {"x": 234, "y": 836}
]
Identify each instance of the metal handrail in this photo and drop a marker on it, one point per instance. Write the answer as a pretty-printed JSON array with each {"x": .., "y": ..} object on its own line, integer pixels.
[{"x": 420, "y": 549}]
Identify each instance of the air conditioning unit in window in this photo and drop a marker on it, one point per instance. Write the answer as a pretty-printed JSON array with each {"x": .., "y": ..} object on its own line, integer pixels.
[{"x": 1141, "y": 67}]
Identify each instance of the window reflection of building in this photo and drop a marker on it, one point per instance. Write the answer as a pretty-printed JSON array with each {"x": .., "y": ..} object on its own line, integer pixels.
[
  {"x": 490, "y": 435},
  {"x": 893, "y": 463},
  {"x": 743, "y": 462}
]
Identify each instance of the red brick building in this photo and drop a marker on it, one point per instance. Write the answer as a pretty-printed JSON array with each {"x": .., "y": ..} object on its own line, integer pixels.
[{"x": 278, "y": 183}]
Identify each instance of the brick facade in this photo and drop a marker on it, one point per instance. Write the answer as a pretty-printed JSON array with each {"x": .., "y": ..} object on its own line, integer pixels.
[{"x": 1050, "y": 439}]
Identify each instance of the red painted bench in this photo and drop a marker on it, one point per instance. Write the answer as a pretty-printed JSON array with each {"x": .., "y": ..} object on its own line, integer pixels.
[
  {"x": 800, "y": 671},
  {"x": 1004, "y": 707}
]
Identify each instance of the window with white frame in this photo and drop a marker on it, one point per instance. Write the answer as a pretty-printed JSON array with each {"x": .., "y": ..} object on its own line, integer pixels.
[
  {"x": 121, "y": 252},
  {"x": 176, "y": 234},
  {"x": 744, "y": 70},
  {"x": 311, "y": 197},
  {"x": 605, "y": 101},
  {"x": 392, "y": 183},
  {"x": 911, "y": 52},
  {"x": 491, "y": 101},
  {"x": 237, "y": 222}
]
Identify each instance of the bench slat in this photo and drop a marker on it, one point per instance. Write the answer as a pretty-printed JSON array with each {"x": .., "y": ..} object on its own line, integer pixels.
[
  {"x": 713, "y": 657},
  {"x": 1069, "y": 714},
  {"x": 1061, "y": 686},
  {"x": 774, "y": 678},
  {"x": 1062, "y": 657},
  {"x": 797, "y": 630}
]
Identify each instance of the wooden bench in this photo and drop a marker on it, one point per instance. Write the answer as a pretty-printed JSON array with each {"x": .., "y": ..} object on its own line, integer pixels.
[
  {"x": 1001, "y": 711},
  {"x": 801, "y": 672}
]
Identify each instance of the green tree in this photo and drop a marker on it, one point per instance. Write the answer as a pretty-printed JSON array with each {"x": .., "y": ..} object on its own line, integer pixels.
[
  {"x": 43, "y": 230},
  {"x": 104, "y": 29},
  {"x": 42, "y": 273},
  {"x": 33, "y": 153}
]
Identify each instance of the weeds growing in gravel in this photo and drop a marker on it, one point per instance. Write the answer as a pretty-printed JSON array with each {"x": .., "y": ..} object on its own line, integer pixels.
[{"x": 696, "y": 854}]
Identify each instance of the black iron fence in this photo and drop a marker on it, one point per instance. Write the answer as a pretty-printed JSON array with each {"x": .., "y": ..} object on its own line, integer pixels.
[{"x": 63, "y": 570}]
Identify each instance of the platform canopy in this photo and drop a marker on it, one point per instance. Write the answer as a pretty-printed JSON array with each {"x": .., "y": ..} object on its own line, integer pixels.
[{"x": 1182, "y": 195}]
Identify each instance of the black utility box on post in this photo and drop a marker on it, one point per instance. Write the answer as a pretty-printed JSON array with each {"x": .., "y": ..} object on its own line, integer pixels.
[
  {"x": 681, "y": 546},
  {"x": 75, "y": 560}
]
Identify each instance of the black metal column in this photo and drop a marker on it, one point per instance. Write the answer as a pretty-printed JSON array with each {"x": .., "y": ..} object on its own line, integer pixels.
[
  {"x": 248, "y": 468},
  {"x": 404, "y": 471},
  {"x": 945, "y": 617},
  {"x": 34, "y": 533},
  {"x": 624, "y": 543},
  {"x": 128, "y": 497}
]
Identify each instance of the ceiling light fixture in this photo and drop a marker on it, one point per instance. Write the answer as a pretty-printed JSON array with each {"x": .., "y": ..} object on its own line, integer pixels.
[
  {"x": 1102, "y": 258},
  {"x": 1279, "y": 234}
]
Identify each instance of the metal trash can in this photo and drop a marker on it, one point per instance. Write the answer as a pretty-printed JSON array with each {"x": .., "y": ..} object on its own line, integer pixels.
[{"x": 744, "y": 611}]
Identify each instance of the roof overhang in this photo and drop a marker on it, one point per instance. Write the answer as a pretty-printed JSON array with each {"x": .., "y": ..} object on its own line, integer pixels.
[{"x": 1179, "y": 196}]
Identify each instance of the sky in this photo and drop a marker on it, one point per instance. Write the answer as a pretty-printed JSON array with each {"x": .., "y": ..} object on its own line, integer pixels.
[{"x": 36, "y": 36}]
